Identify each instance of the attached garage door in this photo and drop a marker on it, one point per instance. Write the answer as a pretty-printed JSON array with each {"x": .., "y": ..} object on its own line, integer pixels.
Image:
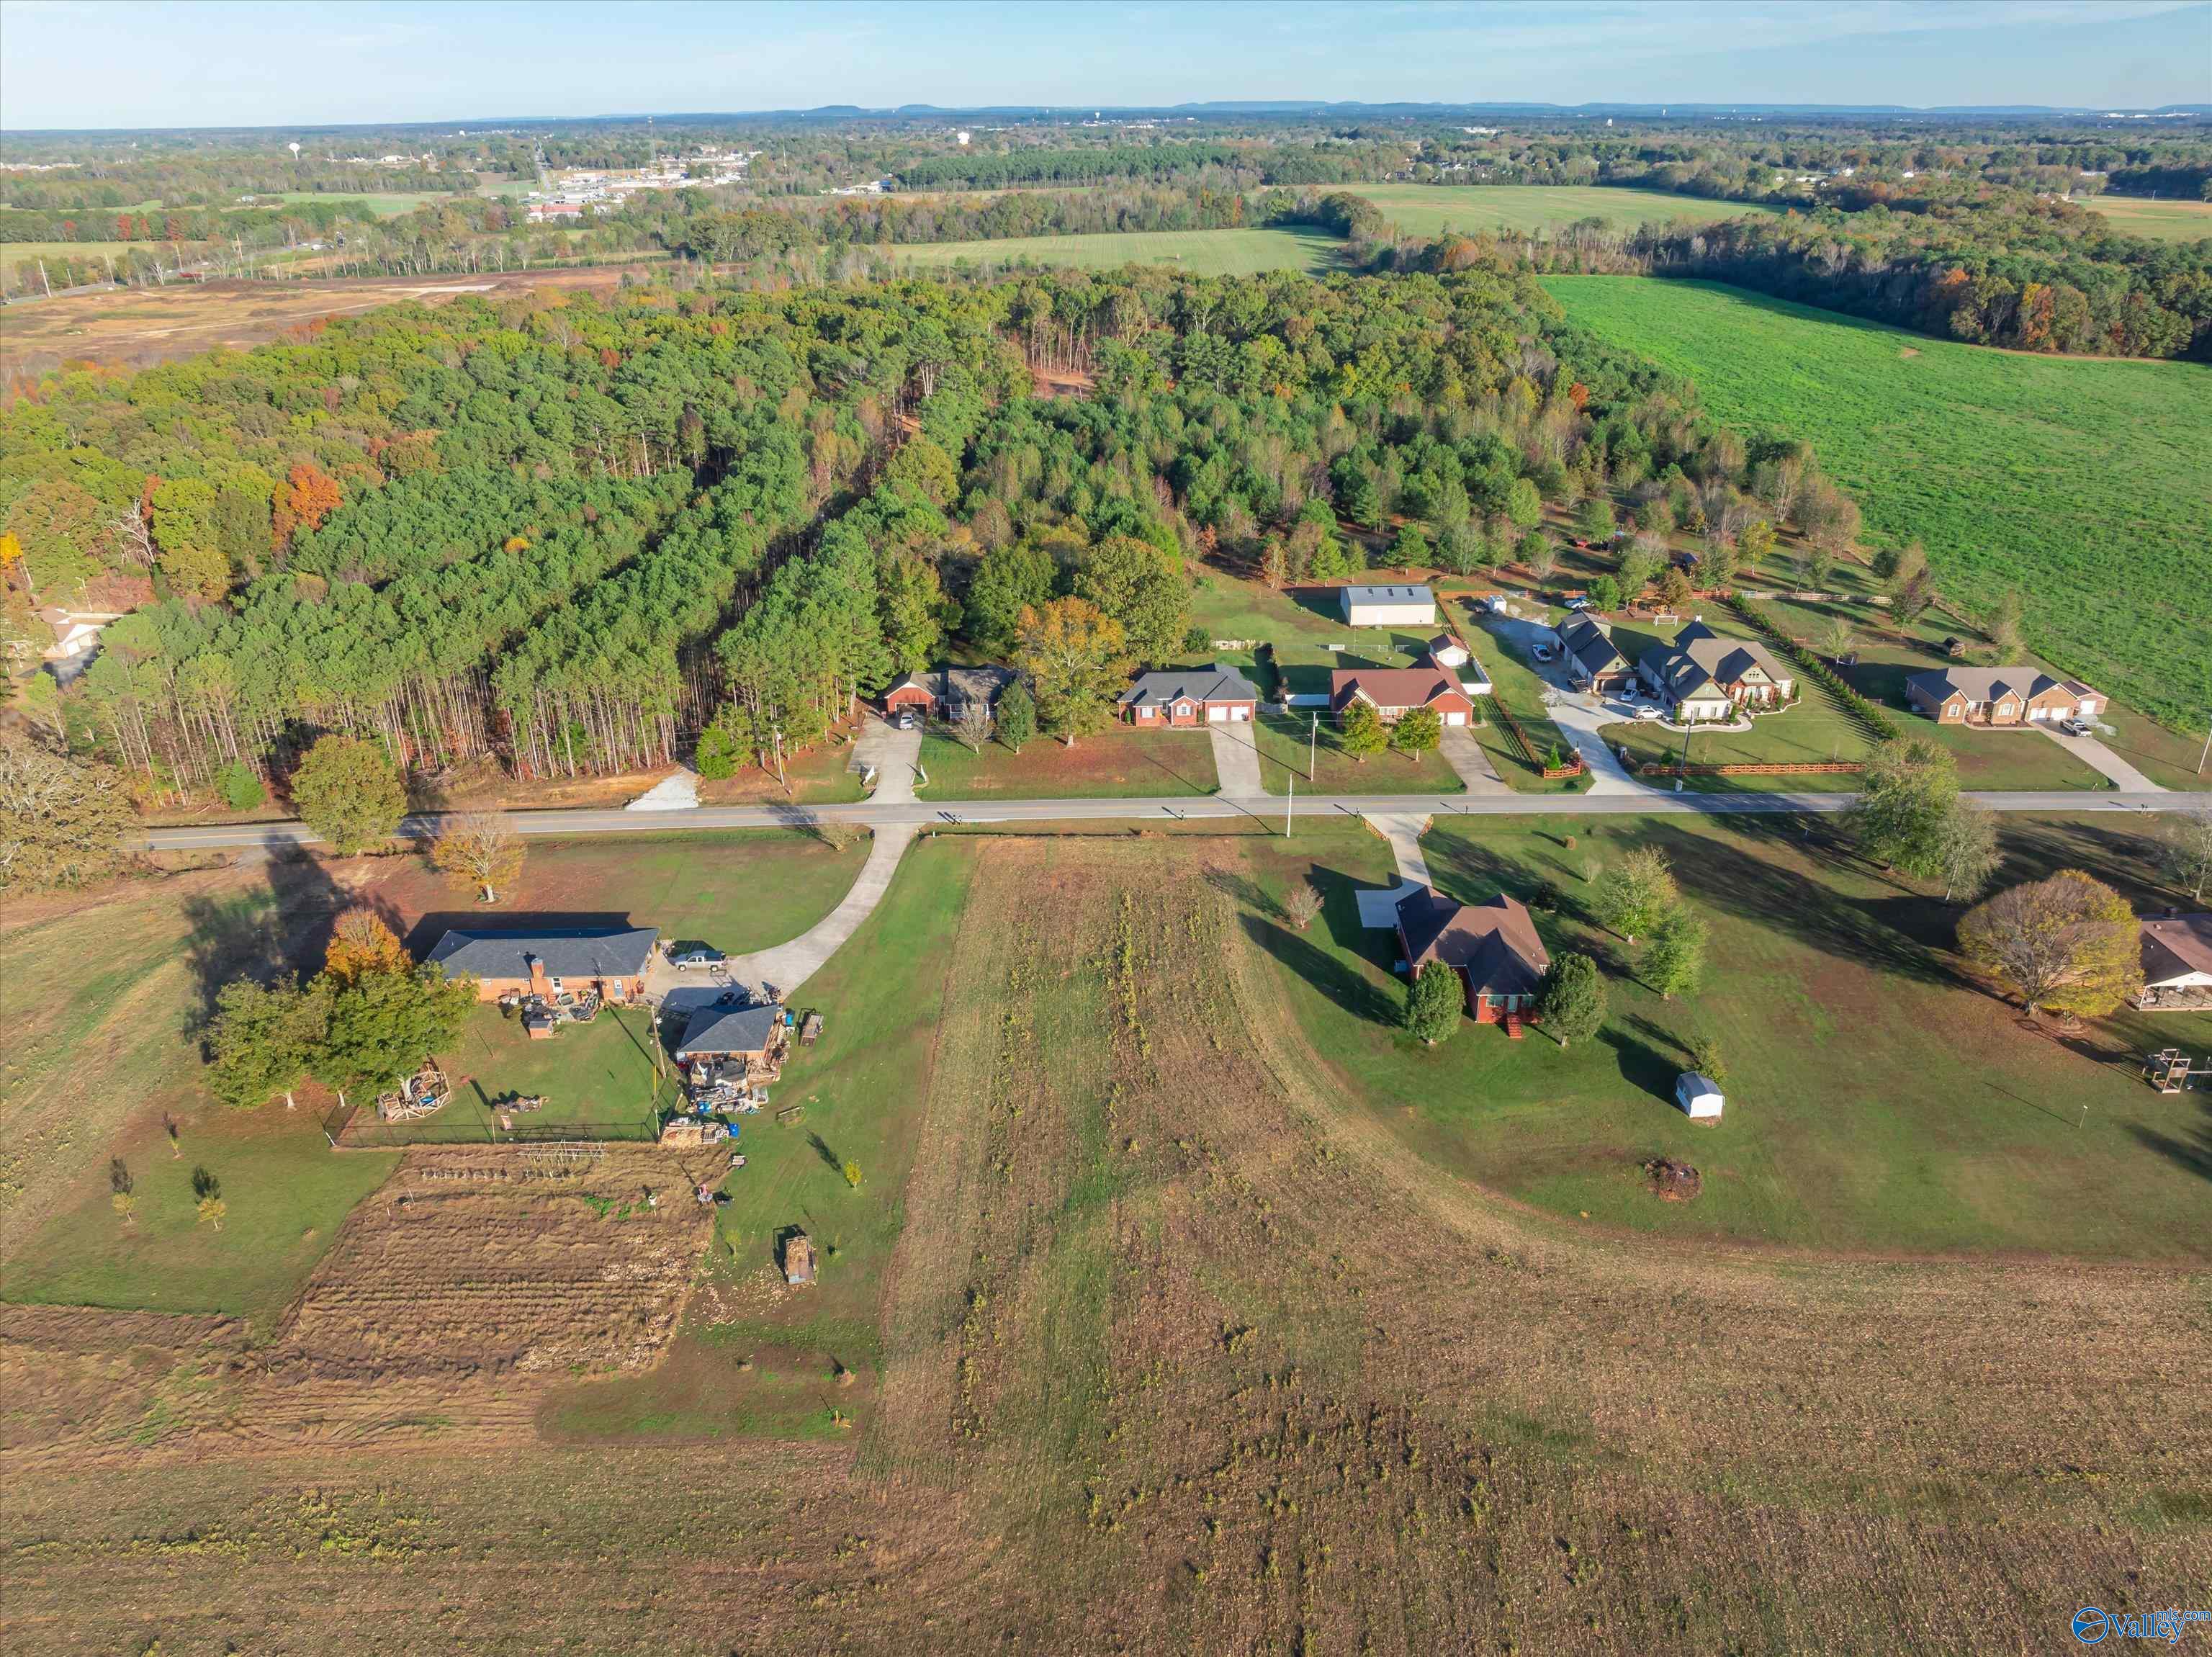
[
  {"x": 1240, "y": 714},
  {"x": 1454, "y": 717},
  {"x": 1217, "y": 715}
]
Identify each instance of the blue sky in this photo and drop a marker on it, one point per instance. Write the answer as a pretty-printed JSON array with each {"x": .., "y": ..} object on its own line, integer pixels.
[{"x": 274, "y": 63}]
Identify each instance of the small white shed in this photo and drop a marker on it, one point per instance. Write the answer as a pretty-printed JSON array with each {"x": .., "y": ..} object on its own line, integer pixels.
[
  {"x": 1447, "y": 652},
  {"x": 1700, "y": 1096},
  {"x": 1389, "y": 606}
]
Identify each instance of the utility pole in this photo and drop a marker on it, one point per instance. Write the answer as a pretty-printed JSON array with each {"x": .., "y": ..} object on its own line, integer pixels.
[
  {"x": 2208, "y": 751},
  {"x": 1291, "y": 805},
  {"x": 1313, "y": 742}
]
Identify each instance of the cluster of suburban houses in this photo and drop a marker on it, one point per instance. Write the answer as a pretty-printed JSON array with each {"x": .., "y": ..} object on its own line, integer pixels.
[
  {"x": 1703, "y": 675},
  {"x": 1444, "y": 677}
]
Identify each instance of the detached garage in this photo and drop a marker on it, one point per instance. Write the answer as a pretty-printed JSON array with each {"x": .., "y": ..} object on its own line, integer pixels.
[{"x": 1389, "y": 606}]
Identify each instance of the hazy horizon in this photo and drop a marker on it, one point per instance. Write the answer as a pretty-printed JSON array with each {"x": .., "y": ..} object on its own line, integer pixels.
[{"x": 106, "y": 65}]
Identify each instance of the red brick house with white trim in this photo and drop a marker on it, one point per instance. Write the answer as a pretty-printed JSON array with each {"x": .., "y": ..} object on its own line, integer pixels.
[
  {"x": 1184, "y": 697},
  {"x": 2001, "y": 696},
  {"x": 1493, "y": 946},
  {"x": 1394, "y": 691}
]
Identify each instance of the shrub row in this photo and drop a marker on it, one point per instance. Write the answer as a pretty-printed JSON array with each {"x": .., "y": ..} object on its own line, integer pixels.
[{"x": 1877, "y": 723}]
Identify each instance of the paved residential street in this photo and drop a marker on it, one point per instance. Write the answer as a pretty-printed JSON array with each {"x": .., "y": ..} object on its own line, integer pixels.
[{"x": 1270, "y": 813}]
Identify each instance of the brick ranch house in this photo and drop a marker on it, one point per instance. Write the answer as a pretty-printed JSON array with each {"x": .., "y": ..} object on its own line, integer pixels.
[
  {"x": 1394, "y": 691},
  {"x": 1703, "y": 676},
  {"x": 946, "y": 692},
  {"x": 1493, "y": 946},
  {"x": 2001, "y": 696},
  {"x": 1190, "y": 696},
  {"x": 610, "y": 960}
]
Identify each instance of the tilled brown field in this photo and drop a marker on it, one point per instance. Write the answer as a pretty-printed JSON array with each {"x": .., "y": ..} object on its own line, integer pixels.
[{"x": 1179, "y": 1357}]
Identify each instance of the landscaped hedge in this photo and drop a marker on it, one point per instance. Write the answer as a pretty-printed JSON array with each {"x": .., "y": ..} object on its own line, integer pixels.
[{"x": 1878, "y": 724}]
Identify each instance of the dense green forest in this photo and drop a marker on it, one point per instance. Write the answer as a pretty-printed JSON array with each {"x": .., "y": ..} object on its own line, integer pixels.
[{"x": 571, "y": 535}]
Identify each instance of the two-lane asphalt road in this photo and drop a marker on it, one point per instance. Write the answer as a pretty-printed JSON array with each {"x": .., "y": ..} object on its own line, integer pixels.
[{"x": 1193, "y": 808}]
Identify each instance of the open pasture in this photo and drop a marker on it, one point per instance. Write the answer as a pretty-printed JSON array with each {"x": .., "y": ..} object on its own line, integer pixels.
[
  {"x": 2078, "y": 484},
  {"x": 1430, "y": 209}
]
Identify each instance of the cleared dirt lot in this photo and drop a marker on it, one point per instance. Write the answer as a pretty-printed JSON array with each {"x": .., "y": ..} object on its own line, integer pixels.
[{"x": 138, "y": 327}]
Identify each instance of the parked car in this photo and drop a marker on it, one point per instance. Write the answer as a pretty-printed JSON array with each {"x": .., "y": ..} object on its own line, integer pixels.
[
  {"x": 1645, "y": 710},
  {"x": 1578, "y": 604},
  {"x": 906, "y": 719},
  {"x": 1543, "y": 653},
  {"x": 696, "y": 960},
  {"x": 2076, "y": 726}
]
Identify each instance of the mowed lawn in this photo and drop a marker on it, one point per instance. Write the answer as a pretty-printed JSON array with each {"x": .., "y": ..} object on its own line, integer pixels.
[
  {"x": 862, "y": 1090},
  {"x": 2160, "y": 221},
  {"x": 1117, "y": 763},
  {"x": 1308, "y": 750},
  {"x": 2080, "y": 484},
  {"x": 1429, "y": 210},
  {"x": 736, "y": 890},
  {"x": 1879, "y": 1099},
  {"x": 1201, "y": 252}
]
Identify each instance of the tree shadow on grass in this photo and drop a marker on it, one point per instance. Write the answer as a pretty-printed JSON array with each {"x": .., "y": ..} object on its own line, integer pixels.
[
  {"x": 1347, "y": 989},
  {"x": 2192, "y": 1155},
  {"x": 830, "y": 1159},
  {"x": 263, "y": 934},
  {"x": 1643, "y": 1064}
]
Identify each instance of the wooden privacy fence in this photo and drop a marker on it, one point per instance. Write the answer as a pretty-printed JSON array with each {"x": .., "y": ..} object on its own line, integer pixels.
[
  {"x": 1540, "y": 764},
  {"x": 1778, "y": 768}
]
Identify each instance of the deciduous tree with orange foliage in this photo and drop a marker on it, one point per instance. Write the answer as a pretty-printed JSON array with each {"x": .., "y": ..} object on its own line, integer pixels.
[
  {"x": 1075, "y": 653},
  {"x": 306, "y": 496}
]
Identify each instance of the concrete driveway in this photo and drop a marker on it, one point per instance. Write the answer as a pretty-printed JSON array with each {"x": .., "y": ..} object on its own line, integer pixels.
[
  {"x": 1579, "y": 715},
  {"x": 1378, "y": 911},
  {"x": 895, "y": 754},
  {"x": 779, "y": 970},
  {"x": 1471, "y": 761},
  {"x": 1237, "y": 759},
  {"x": 2090, "y": 752}
]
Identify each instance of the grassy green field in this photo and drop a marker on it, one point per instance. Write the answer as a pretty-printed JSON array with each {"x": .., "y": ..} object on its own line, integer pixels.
[
  {"x": 1201, "y": 252},
  {"x": 2083, "y": 485},
  {"x": 1878, "y": 1099},
  {"x": 15, "y": 253},
  {"x": 1429, "y": 210},
  {"x": 1289, "y": 744},
  {"x": 2162, "y": 221},
  {"x": 1117, "y": 763}
]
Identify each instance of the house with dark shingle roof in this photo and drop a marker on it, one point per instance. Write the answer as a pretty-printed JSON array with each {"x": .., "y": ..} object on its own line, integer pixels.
[
  {"x": 1190, "y": 696},
  {"x": 2001, "y": 696},
  {"x": 1493, "y": 946},
  {"x": 946, "y": 692},
  {"x": 610, "y": 960},
  {"x": 726, "y": 1030},
  {"x": 1702, "y": 675},
  {"x": 1593, "y": 661}
]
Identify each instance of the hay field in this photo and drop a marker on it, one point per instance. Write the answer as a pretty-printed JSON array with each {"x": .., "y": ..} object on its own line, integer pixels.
[
  {"x": 1201, "y": 252},
  {"x": 2079, "y": 484},
  {"x": 1177, "y": 1352},
  {"x": 1429, "y": 210},
  {"x": 2162, "y": 221}
]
